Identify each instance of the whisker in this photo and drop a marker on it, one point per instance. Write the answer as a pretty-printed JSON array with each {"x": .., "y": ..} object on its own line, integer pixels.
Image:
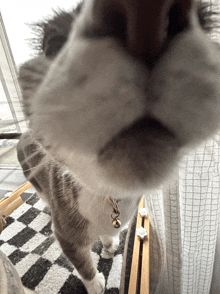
[
  {"x": 14, "y": 122},
  {"x": 56, "y": 108},
  {"x": 31, "y": 156},
  {"x": 36, "y": 169}
]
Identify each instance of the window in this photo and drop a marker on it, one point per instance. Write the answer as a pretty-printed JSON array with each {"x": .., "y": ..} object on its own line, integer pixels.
[{"x": 11, "y": 116}]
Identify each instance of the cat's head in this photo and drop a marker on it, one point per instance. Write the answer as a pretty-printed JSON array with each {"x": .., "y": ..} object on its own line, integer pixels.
[{"x": 121, "y": 87}]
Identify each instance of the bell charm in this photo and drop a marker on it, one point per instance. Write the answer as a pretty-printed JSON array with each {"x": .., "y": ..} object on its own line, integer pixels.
[{"x": 116, "y": 223}]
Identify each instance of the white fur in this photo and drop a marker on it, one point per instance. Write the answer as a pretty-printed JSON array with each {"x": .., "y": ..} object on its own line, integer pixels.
[
  {"x": 95, "y": 286},
  {"x": 97, "y": 209},
  {"x": 189, "y": 70},
  {"x": 182, "y": 92},
  {"x": 93, "y": 93},
  {"x": 109, "y": 252}
]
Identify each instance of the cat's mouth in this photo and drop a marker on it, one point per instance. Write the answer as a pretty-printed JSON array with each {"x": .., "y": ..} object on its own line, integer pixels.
[
  {"x": 146, "y": 131},
  {"x": 152, "y": 127},
  {"x": 142, "y": 154}
]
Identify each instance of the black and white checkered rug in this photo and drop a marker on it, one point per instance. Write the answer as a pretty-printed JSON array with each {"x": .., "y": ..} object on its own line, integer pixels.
[{"x": 29, "y": 243}]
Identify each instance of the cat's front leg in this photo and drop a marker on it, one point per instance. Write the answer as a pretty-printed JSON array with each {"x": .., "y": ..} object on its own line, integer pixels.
[{"x": 81, "y": 258}]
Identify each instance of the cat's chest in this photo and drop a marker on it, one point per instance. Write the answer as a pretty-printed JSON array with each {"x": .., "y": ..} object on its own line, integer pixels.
[{"x": 100, "y": 211}]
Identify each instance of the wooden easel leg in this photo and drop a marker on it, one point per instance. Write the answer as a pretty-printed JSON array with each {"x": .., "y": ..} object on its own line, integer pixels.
[
  {"x": 12, "y": 202},
  {"x": 140, "y": 273}
]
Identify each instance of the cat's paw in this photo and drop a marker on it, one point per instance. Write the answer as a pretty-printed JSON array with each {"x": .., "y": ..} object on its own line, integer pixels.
[
  {"x": 96, "y": 285},
  {"x": 114, "y": 246},
  {"x": 110, "y": 249}
]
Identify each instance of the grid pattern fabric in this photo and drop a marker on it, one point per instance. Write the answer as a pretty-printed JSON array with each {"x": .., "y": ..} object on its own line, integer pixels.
[
  {"x": 185, "y": 223},
  {"x": 29, "y": 243}
]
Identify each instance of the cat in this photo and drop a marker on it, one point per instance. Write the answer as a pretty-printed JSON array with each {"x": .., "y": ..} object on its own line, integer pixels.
[{"x": 119, "y": 91}]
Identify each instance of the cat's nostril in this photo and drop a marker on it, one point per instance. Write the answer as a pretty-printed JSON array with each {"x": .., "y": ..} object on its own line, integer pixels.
[
  {"x": 117, "y": 25},
  {"x": 179, "y": 17}
]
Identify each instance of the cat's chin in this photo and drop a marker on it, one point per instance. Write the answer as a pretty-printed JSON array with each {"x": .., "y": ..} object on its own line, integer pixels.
[{"x": 140, "y": 157}]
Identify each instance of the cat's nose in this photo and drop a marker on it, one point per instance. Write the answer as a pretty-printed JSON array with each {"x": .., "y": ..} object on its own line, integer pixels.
[
  {"x": 143, "y": 26},
  {"x": 151, "y": 22}
]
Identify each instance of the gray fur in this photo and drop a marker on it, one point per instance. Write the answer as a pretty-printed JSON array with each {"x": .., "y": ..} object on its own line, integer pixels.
[{"x": 110, "y": 117}]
